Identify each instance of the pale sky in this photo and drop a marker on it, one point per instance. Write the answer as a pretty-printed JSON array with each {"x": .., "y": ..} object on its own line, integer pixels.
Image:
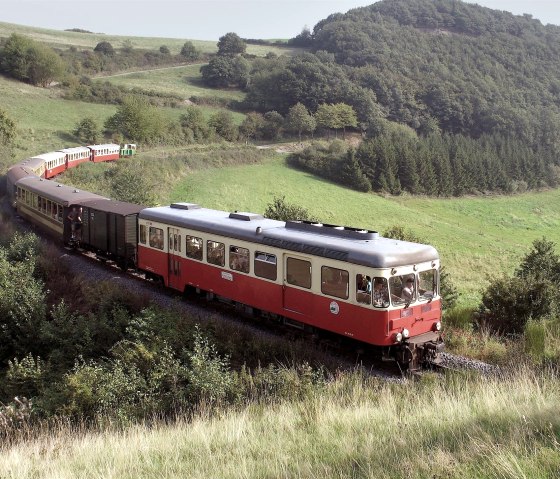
[{"x": 210, "y": 19}]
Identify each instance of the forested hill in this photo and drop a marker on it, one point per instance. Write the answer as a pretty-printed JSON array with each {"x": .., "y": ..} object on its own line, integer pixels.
[
  {"x": 479, "y": 87},
  {"x": 473, "y": 69}
]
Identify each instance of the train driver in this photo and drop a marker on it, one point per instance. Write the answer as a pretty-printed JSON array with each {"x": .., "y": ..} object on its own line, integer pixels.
[{"x": 408, "y": 290}]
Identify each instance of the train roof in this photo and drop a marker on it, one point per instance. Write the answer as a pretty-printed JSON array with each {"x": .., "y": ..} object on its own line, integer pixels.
[
  {"x": 19, "y": 171},
  {"x": 63, "y": 194},
  {"x": 112, "y": 206},
  {"x": 32, "y": 163},
  {"x": 341, "y": 243},
  {"x": 113, "y": 146},
  {"x": 51, "y": 155},
  {"x": 75, "y": 149}
]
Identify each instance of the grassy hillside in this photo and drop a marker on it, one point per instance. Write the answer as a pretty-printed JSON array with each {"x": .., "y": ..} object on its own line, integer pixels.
[
  {"x": 476, "y": 236},
  {"x": 63, "y": 39},
  {"x": 183, "y": 81},
  {"x": 44, "y": 121}
]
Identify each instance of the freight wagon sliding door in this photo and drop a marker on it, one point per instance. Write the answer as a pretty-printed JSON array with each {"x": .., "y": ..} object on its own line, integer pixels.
[
  {"x": 174, "y": 240},
  {"x": 297, "y": 284}
]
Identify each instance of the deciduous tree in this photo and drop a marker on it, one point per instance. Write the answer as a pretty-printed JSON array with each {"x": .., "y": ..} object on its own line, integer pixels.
[
  {"x": 87, "y": 130},
  {"x": 300, "y": 120},
  {"x": 138, "y": 121},
  {"x": 231, "y": 45},
  {"x": 223, "y": 123},
  {"x": 190, "y": 52}
]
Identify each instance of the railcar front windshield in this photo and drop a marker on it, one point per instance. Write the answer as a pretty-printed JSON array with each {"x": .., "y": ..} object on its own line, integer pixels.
[{"x": 410, "y": 288}]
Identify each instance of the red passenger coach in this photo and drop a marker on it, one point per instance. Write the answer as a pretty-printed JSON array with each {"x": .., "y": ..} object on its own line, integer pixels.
[
  {"x": 77, "y": 155},
  {"x": 351, "y": 282},
  {"x": 107, "y": 152},
  {"x": 55, "y": 163}
]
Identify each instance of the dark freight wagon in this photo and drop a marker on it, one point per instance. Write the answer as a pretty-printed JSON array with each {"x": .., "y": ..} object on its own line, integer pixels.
[{"x": 110, "y": 229}]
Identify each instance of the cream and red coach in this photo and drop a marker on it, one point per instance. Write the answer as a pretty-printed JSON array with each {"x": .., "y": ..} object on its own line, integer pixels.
[{"x": 310, "y": 274}]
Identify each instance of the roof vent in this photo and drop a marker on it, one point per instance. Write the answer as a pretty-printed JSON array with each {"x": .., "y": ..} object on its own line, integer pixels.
[
  {"x": 236, "y": 215},
  {"x": 332, "y": 230},
  {"x": 76, "y": 191},
  {"x": 185, "y": 206}
]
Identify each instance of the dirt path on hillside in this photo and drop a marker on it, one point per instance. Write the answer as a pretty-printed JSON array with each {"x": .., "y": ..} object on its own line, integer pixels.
[{"x": 149, "y": 70}]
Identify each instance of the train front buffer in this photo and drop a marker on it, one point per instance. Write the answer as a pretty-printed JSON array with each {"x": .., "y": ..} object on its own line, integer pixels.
[{"x": 416, "y": 335}]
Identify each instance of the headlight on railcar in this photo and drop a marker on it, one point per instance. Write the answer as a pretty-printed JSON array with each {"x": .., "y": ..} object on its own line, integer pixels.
[
  {"x": 398, "y": 337},
  {"x": 405, "y": 333},
  {"x": 437, "y": 326}
]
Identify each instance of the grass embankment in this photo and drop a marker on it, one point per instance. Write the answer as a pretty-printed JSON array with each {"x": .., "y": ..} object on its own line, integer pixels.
[{"x": 452, "y": 427}]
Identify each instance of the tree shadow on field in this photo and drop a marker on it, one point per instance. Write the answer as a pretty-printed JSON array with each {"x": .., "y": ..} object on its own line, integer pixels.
[{"x": 68, "y": 137}]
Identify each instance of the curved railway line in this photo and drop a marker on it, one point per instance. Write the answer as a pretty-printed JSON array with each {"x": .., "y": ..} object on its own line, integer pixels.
[{"x": 365, "y": 296}]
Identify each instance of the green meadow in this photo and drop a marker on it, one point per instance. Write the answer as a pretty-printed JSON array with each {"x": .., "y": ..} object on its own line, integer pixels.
[
  {"x": 477, "y": 237},
  {"x": 183, "y": 81},
  {"x": 44, "y": 120}
]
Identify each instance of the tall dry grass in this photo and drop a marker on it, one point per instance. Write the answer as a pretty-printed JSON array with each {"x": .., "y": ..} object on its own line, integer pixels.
[{"x": 459, "y": 426}]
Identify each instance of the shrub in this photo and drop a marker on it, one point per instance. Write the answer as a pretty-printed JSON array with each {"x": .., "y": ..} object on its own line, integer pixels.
[
  {"x": 531, "y": 294},
  {"x": 508, "y": 303},
  {"x": 209, "y": 376},
  {"x": 25, "y": 377},
  {"x": 87, "y": 130},
  {"x": 105, "y": 48},
  {"x": 281, "y": 210}
]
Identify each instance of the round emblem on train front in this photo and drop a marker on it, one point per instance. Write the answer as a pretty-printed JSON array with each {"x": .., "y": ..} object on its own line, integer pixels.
[{"x": 334, "y": 307}]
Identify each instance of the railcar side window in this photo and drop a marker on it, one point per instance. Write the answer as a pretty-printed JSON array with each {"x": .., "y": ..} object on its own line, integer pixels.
[
  {"x": 156, "y": 238},
  {"x": 215, "y": 253},
  {"x": 265, "y": 265},
  {"x": 143, "y": 234},
  {"x": 363, "y": 289},
  {"x": 194, "y": 247},
  {"x": 334, "y": 282},
  {"x": 298, "y": 272},
  {"x": 239, "y": 259},
  {"x": 427, "y": 285},
  {"x": 403, "y": 289}
]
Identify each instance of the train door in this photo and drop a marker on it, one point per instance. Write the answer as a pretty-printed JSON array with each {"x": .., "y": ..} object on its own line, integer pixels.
[
  {"x": 297, "y": 284},
  {"x": 174, "y": 239}
]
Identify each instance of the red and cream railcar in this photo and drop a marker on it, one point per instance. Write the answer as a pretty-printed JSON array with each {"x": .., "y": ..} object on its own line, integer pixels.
[
  {"x": 54, "y": 163},
  {"x": 107, "y": 152},
  {"x": 75, "y": 156},
  {"x": 351, "y": 282}
]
